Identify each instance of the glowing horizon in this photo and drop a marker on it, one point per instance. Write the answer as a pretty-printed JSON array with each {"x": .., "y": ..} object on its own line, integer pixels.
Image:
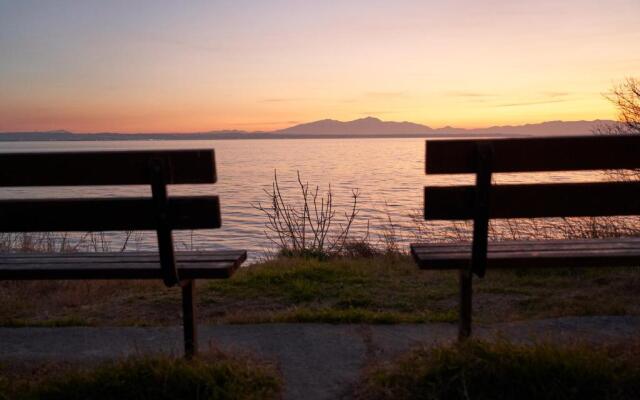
[{"x": 163, "y": 66}]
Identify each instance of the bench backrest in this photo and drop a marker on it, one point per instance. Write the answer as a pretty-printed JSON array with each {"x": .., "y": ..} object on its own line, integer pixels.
[
  {"x": 535, "y": 155},
  {"x": 483, "y": 200},
  {"x": 157, "y": 168}
]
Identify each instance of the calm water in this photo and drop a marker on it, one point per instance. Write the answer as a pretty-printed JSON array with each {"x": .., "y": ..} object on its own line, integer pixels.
[{"x": 389, "y": 174}]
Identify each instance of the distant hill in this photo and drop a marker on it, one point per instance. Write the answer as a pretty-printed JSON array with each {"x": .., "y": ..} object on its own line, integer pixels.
[
  {"x": 550, "y": 128},
  {"x": 329, "y": 128},
  {"x": 358, "y": 127},
  {"x": 375, "y": 127}
]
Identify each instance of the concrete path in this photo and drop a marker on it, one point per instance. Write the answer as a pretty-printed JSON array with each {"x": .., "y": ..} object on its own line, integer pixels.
[{"x": 318, "y": 361}]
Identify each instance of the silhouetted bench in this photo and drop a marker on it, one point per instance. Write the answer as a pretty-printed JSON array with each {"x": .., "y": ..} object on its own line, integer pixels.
[
  {"x": 485, "y": 200},
  {"x": 158, "y": 212}
]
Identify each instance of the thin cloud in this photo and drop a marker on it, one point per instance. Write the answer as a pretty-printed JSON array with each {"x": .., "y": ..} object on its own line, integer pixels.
[
  {"x": 469, "y": 94},
  {"x": 483, "y": 96},
  {"x": 555, "y": 94},
  {"x": 386, "y": 95},
  {"x": 268, "y": 123},
  {"x": 529, "y": 103},
  {"x": 376, "y": 112},
  {"x": 279, "y": 100}
]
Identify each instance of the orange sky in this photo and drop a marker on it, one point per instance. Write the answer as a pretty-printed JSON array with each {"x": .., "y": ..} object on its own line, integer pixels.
[{"x": 167, "y": 66}]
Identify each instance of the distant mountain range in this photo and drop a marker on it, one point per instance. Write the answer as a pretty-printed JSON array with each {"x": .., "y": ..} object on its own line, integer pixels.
[
  {"x": 359, "y": 127},
  {"x": 329, "y": 128}
]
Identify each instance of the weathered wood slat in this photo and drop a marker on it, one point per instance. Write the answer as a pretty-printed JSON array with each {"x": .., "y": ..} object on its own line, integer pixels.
[
  {"x": 109, "y": 260},
  {"x": 536, "y": 245},
  {"x": 125, "y": 256},
  {"x": 106, "y": 214},
  {"x": 106, "y": 168},
  {"x": 527, "y": 260},
  {"x": 43, "y": 271},
  {"x": 533, "y": 254},
  {"x": 536, "y": 154},
  {"x": 536, "y": 200},
  {"x": 498, "y": 253},
  {"x": 110, "y": 267}
]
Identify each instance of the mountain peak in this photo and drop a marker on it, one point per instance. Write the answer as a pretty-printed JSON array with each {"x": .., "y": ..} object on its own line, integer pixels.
[
  {"x": 363, "y": 126},
  {"x": 368, "y": 119}
]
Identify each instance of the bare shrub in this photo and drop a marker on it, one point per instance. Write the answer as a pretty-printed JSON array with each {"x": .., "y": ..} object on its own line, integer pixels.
[
  {"x": 626, "y": 97},
  {"x": 309, "y": 225},
  {"x": 43, "y": 242},
  {"x": 361, "y": 247},
  {"x": 62, "y": 242},
  {"x": 389, "y": 234}
]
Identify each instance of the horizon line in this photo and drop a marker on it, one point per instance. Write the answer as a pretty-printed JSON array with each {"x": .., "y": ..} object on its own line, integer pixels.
[{"x": 237, "y": 130}]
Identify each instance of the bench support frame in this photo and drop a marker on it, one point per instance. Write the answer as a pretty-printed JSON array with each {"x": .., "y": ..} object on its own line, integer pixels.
[
  {"x": 478, "y": 266},
  {"x": 189, "y": 319},
  {"x": 165, "y": 238},
  {"x": 466, "y": 290}
]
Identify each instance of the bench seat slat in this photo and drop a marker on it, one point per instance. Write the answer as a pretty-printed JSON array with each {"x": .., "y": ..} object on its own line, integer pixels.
[
  {"x": 536, "y": 253},
  {"x": 143, "y": 265},
  {"x": 117, "y": 257},
  {"x": 538, "y": 245}
]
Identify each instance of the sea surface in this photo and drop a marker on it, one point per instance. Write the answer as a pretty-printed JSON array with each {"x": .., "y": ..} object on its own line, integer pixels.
[{"x": 387, "y": 173}]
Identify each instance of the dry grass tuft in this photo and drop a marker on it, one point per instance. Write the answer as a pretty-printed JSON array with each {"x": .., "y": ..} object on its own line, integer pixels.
[{"x": 503, "y": 370}]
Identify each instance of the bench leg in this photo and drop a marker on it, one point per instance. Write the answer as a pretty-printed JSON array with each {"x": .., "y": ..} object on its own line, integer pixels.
[
  {"x": 464, "y": 329},
  {"x": 189, "y": 320}
]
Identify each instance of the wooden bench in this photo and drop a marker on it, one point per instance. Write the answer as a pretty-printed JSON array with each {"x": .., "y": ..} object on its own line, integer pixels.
[
  {"x": 158, "y": 212},
  {"x": 485, "y": 200}
]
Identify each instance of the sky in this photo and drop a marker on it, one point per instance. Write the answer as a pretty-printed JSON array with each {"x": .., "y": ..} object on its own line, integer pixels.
[{"x": 193, "y": 66}]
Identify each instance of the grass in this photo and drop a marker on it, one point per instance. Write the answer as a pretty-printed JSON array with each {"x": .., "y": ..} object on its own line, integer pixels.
[
  {"x": 501, "y": 370},
  {"x": 382, "y": 289},
  {"x": 379, "y": 290},
  {"x": 216, "y": 376}
]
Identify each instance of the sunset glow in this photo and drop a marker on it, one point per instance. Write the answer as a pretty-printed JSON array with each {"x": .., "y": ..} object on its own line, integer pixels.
[{"x": 170, "y": 66}]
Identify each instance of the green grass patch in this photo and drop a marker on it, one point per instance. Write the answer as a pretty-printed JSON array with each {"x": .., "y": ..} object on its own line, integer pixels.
[
  {"x": 367, "y": 290},
  {"x": 502, "y": 370},
  {"x": 216, "y": 377},
  {"x": 381, "y": 289}
]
